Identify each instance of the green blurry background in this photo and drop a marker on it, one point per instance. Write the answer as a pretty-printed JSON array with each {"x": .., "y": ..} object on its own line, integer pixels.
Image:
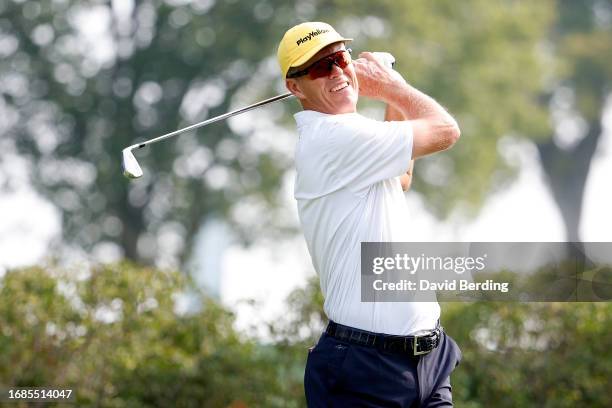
[{"x": 80, "y": 80}]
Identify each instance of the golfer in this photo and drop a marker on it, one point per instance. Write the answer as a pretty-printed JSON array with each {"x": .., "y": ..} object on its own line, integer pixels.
[{"x": 351, "y": 171}]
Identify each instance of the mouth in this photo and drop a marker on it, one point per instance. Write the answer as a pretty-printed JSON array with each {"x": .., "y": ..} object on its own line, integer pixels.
[{"x": 340, "y": 87}]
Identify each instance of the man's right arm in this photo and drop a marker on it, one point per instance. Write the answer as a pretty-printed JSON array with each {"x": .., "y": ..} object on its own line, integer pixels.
[{"x": 434, "y": 129}]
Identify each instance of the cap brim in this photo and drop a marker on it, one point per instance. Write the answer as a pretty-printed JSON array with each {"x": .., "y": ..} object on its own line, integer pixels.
[{"x": 311, "y": 53}]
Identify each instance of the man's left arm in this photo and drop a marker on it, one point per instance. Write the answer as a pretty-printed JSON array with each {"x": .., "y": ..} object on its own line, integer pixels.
[{"x": 393, "y": 114}]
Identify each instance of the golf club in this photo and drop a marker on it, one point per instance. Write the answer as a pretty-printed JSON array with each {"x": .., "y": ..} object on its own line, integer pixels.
[{"x": 131, "y": 168}]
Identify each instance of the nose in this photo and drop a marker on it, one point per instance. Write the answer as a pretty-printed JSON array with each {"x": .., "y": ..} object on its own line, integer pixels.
[{"x": 335, "y": 71}]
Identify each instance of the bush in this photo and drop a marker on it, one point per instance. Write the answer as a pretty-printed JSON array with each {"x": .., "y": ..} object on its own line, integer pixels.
[{"x": 116, "y": 339}]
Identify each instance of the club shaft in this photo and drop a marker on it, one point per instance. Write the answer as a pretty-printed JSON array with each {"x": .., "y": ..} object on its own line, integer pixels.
[{"x": 215, "y": 119}]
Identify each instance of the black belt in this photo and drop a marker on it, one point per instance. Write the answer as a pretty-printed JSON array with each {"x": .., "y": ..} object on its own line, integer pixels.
[{"x": 411, "y": 345}]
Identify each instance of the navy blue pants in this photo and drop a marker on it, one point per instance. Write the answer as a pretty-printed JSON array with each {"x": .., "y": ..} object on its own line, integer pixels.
[{"x": 342, "y": 374}]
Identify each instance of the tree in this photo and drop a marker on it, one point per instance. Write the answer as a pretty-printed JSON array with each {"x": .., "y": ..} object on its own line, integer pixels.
[
  {"x": 582, "y": 41},
  {"x": 171, "y": 63},
  {"x": 167, "y": 64}
]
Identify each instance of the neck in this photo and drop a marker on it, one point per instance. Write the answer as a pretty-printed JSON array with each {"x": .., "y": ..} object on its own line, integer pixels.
[{"x": 308, "y": 106}]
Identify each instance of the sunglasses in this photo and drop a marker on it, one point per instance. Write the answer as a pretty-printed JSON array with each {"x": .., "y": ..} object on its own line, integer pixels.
[{"x": 323, "y": 67}]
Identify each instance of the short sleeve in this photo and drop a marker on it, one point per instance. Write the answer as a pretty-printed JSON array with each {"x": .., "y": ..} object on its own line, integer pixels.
[{"x": 369, "y": 151}]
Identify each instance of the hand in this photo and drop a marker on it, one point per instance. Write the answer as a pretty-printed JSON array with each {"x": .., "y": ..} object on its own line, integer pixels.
[{"x": 376, "y": 80}]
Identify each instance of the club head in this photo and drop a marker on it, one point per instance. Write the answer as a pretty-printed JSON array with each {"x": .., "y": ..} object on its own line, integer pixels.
[{"x": 131, "y": 168}]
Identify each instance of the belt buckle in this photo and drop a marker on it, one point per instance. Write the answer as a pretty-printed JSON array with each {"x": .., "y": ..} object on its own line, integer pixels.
[{"x": 415, "y": 347}]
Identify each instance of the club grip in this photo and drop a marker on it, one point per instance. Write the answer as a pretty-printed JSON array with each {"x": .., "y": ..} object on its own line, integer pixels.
[{"x": 388, "y": 59}]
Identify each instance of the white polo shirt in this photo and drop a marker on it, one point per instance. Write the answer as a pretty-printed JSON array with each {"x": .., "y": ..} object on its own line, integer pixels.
[{"x": 348, "y": 191}]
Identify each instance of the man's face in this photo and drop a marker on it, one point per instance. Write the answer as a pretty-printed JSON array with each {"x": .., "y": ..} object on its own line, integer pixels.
[{"x": 335, "y": 93}]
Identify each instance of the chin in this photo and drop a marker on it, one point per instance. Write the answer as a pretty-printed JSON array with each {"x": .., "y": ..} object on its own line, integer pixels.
[
  {"x": 350, "y": 106},
  {"x": 346, "y": 104}
]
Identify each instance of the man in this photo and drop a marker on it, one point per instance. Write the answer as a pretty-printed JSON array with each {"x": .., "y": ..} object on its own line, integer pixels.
[{"x": 350, "y": 174}]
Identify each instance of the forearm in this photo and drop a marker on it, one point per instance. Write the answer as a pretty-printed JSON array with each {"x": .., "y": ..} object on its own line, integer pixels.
[
  {"x": 378, "y": 81},
  {"x": 433, "y": 128},
  {"x": 409, "y": 103}
]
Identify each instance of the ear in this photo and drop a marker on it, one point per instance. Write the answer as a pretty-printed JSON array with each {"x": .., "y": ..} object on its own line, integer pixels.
[{"x": 293, "y": 86}]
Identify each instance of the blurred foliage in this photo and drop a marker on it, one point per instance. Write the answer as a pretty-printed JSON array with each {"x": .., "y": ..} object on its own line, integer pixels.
[
  {"x": 82, "y": 80},
  {"x": 581, "y": 42},
  {"x": 116, "y": 338},
  {"x": 115, "y": 335},
  {"x": 532, "y": 354}
]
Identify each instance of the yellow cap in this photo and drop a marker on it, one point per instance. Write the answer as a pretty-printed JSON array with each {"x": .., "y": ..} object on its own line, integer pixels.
[{"x": 302, "y": 41}]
